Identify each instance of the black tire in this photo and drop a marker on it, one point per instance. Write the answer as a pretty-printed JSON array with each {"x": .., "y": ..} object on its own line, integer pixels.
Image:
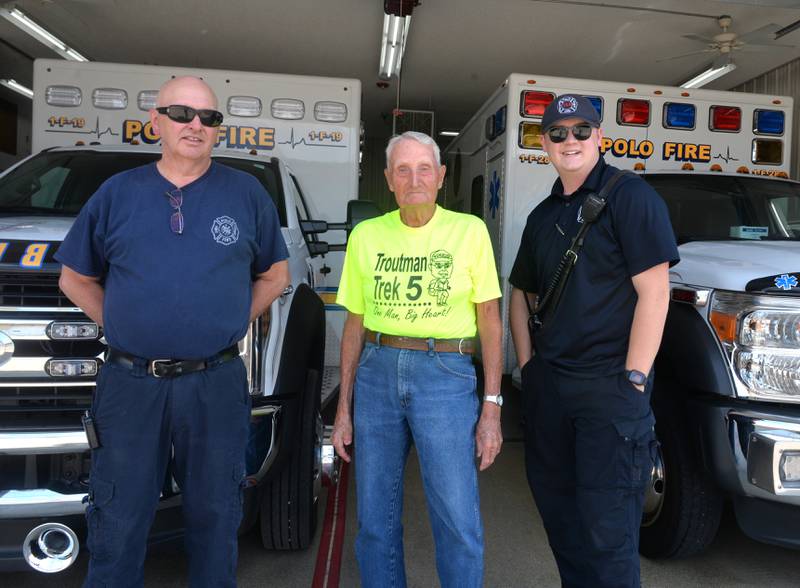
[
  {"x": 688, "y": 516},
  {"x": 289, "y": 505}
]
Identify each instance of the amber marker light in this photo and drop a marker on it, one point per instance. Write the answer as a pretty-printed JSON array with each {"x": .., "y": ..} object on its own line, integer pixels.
[{"x": 724, "y": 325}]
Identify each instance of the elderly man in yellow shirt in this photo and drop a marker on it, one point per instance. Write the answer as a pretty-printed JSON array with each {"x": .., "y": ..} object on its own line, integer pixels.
[{"x": 419, "y": 283}]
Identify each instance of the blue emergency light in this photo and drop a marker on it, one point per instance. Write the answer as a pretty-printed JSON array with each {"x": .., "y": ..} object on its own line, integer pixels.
[
  {"x": 768, "y": 122},
  {"x": 500, "y": 121},
  {"x": 597, "y": 102},
  {"x": 679, "y": 116}
]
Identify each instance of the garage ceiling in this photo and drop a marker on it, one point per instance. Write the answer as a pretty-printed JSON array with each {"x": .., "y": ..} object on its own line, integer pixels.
[{"x": 458, "y": 51}]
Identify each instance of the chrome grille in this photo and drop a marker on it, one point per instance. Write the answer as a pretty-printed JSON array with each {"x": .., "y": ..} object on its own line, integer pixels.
[{"x": 31, "y": 289}]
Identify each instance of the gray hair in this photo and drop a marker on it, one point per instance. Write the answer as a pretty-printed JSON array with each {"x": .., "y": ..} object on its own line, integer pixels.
[{"x": 412, "y": 136}]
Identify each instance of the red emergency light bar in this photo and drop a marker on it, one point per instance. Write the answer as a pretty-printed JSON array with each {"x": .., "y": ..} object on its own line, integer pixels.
[
  {"x": 633, "y": 112},
  {"x": 534, "y": 103},
  {"x": 726, "y": 118}
]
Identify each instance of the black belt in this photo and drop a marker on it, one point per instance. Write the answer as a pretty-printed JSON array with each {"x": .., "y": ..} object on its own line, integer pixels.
[{"x": 171, "y": 368}]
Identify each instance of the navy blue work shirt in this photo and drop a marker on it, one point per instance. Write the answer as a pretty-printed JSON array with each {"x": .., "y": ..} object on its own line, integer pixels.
[
  {"x": 182, "y": 296},
  {"x": 588, "y": 334}
]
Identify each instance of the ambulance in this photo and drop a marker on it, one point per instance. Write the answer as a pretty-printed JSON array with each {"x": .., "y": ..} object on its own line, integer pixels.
[
  {"x": 299, "y": 136},
  {"x": 727, "y": 389}
]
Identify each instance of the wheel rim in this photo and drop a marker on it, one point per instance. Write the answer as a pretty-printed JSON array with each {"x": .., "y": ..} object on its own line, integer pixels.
[
  {"x": 319, "y": 429},
  {"x": 654, "y": 493}
]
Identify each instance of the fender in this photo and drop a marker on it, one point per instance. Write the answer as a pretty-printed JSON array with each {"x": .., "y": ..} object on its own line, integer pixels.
[
  {"x": 303, "y": 348},
  {"x": 690, "y": 354}
]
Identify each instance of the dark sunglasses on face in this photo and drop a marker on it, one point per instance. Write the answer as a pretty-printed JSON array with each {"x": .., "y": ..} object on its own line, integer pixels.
[
  {"x": 581, "y": 132},
  {"x": 186, "y": 114}
]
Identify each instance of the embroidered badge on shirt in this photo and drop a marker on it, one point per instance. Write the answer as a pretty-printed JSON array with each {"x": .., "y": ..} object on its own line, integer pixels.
[
  {"x": 224, "y": 230},
  {"x": 567, "y": 105}
]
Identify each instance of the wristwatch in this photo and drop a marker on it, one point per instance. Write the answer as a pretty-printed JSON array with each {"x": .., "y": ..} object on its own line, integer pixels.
[
  {"x": 636, "y": 377},
  {"x": 494, "y": 398}
]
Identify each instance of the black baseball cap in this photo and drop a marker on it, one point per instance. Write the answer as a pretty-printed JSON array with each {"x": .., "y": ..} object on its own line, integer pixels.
[{"x": 569, "y": 106}]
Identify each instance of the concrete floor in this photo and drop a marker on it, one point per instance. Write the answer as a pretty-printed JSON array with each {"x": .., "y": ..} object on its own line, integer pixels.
[{"x": 517, "y": 554}]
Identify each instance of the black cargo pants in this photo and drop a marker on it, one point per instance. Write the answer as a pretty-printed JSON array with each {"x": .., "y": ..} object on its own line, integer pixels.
[{"x": 589, "y": 449}]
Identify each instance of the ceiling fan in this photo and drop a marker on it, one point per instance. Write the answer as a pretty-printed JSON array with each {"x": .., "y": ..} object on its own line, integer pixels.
[{"x": 724, "y": 44}]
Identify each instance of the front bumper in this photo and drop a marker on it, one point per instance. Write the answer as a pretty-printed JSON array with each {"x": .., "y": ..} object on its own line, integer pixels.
[{"x": 742, "y": 444}]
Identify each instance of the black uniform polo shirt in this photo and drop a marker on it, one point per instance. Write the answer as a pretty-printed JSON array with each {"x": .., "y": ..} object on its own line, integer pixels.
[{"x": 588, "y": 334}]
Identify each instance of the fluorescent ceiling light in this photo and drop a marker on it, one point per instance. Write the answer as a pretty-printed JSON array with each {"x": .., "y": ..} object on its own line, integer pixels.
[
  {"x": 393, "y": 44},
  {"x": 19, "y": 19},
  {"x": 448, "y": 133},
  {"x": 17, "y": 87},
  {"x": 711, "y": 74}
]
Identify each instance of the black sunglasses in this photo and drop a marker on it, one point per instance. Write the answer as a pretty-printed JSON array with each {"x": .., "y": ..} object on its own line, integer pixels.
[
  {"x": 186, "y": 114},
  {"x": 581, "y": 132}
]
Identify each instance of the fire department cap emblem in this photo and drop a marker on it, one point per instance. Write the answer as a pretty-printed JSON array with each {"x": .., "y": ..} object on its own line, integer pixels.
[
  {"x": 224, "y": 230},
  {"x": 567, "y": 105}
]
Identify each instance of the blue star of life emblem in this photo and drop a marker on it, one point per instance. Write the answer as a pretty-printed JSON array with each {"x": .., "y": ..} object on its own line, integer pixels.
[
  {"x": 786, "y": 282},
  {"x": 494, "y": 191}
]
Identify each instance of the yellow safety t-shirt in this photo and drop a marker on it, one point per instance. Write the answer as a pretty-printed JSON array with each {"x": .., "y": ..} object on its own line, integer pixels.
[{"x": 419, "y": 281}]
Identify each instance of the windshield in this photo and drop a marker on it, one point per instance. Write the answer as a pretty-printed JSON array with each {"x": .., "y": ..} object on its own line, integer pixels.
[
  {"x": 715, "y": 208},
  {"x": 60, "y": 183}
]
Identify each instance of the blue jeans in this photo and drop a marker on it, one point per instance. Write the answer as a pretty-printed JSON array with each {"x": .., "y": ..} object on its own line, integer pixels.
[
  {"x": 200, "y": 422},
  {"x": 428, "y": 398}
]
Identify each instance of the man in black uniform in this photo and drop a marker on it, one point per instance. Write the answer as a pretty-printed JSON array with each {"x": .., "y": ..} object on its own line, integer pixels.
[{"x": 589, "y": 437}]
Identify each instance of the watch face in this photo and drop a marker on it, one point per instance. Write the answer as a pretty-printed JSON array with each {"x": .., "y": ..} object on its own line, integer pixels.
[{"x": 637, "y": 377}]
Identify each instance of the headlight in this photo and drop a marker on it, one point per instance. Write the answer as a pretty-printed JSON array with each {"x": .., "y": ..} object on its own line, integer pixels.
[
  {"x": 769, "y": 373},
  {"x": 760, "y": 335},
  {"x": 771, "y": 328}
]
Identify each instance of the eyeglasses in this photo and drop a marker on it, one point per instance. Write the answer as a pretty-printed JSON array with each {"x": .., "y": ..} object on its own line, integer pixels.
[
  {"x": 581, "y": 132},
  {"x": 176, "y": 220},
  {"x": 186, "y": 114}
]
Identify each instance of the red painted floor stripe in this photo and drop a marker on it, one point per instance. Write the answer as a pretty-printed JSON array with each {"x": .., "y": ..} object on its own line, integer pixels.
[{"x": 329, "y": 556}]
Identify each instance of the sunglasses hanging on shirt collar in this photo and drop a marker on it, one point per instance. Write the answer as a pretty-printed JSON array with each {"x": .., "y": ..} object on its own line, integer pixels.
[{"x": 185, "y": 114}]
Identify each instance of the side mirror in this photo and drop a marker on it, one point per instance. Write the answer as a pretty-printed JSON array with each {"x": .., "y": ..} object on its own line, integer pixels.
[
  {"x": 360, "y": 210},
  {"x": 357, "y": 211}
]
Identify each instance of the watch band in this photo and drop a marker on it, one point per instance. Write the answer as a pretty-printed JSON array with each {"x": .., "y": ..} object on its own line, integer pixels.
[{"x": 494, "y": 399}]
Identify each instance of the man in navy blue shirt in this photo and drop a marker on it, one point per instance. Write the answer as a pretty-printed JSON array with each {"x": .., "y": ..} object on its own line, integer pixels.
[
  {"x": 587, "y": 370},
  {"x": 173, "y": 260}
]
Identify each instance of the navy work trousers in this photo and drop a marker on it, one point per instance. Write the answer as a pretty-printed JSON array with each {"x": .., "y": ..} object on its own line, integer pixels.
[
  {"x": 589, "y": 449},
  {"x": 200, "y": 422}
]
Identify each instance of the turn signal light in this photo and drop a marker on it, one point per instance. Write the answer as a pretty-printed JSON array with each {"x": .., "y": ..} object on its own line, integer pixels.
[{"x": 724, "y": 325}]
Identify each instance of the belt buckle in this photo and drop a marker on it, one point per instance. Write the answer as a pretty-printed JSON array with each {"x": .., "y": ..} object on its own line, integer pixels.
[
  {"x": 157, "y": 362},
  {"x": 460, "y": 343}
]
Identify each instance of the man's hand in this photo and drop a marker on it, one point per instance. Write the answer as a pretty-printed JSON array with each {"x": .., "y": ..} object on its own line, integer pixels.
[
  {"x": 488, "y": 436},
  {"x": 342, "y": 435}
]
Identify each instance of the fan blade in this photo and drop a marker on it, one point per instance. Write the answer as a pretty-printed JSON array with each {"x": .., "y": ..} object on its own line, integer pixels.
[
  {"x": 700, "y": 38},
  {"x": 765, "y": 34},
  {"x": 685, "y": 55}
]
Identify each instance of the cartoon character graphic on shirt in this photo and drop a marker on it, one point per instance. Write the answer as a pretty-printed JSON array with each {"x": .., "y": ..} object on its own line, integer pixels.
[{"x": 441, "y": 264}]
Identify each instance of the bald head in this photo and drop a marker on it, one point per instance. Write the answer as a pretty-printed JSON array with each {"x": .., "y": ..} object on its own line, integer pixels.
[{"x": 181, "y": 89}]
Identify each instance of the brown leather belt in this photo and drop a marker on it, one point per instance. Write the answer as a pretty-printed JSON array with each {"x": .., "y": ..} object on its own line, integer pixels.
[{"x": 464, "y": 346}]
